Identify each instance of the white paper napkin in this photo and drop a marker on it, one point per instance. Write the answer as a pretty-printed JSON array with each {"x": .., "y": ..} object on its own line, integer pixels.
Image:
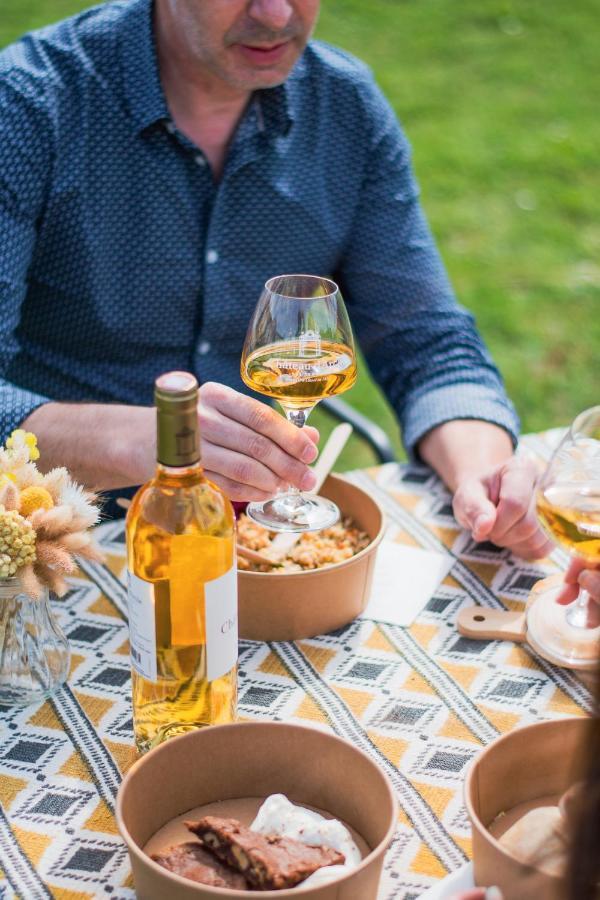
[{"x": 404, "y": 580}]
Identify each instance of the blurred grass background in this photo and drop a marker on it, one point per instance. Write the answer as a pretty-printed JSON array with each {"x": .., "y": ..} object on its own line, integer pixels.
[{"x": 499, "y": 100}]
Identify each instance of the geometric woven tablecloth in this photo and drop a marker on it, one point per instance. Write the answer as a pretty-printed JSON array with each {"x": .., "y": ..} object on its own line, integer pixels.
[{"x": 421, "y": 701}]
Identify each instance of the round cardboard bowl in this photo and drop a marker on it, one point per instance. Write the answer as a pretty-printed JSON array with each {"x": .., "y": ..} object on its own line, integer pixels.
[
  {"x": 287, "y": 607},
  {"x": 255, "y": 759},
  {"x": 526, "y": 768}
]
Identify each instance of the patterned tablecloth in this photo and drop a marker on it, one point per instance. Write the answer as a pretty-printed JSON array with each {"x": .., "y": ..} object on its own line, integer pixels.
[{"x": 421, "y": 701}]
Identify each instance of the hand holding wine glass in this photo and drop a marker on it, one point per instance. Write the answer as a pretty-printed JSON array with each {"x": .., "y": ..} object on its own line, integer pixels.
[
  {"x": 581, "y": 575},
  {"x": 299, "y": 349},
  {"x": 568, "y": 504}
]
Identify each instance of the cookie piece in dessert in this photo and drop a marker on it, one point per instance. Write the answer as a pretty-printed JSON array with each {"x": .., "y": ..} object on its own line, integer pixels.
[
  {"x": 192, "y": 861},
  {"x": 268, "y": 862}
]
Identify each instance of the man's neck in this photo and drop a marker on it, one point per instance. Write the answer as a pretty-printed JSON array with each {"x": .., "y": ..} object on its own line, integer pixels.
[{"x": 205, "y": 108}]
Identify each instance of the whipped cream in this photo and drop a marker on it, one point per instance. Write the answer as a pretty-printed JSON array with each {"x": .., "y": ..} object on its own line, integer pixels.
[{"x": 278, "y": 815}]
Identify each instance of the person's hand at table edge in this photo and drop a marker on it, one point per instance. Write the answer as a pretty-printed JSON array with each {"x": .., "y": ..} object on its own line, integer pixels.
[
  {"x": 494, "y": 496},
  {"x": 248, "y": 448},
  {"x": 580, "y": 574}
]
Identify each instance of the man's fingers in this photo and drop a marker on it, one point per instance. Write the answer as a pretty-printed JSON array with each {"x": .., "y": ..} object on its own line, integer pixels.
[
  {"x": 260, "y": 418},
  {"x": 534, "y": 547},
  {"x": 242, "y": 493},
  {"x": 221, "y": 431},
  {"x": 239, "y": 469},
  {"x": 523, "y": 529},
  {"x": 516, "y": 499},
  {"x": 313, "y": 433},
  {"x": 473, "y": 509}
]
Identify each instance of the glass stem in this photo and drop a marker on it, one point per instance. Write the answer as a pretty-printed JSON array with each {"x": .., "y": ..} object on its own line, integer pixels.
[
  {"x": 577, "y": 613},
  {"x": 298, "y": 417}
]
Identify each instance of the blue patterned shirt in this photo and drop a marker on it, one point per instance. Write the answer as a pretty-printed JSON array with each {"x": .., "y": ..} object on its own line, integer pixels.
[{"x": 121, "y": 257}]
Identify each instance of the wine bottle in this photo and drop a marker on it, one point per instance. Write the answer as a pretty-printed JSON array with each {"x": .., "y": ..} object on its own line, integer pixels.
[{"x": 182, "y": 588}]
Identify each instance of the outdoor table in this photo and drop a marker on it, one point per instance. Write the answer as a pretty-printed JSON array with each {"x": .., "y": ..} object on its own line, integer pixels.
[{"x": 421, "y": 701}]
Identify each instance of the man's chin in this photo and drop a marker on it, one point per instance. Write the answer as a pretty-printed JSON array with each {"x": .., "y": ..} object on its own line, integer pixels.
[
  {"x": 254, "y": 77},
  {"x": 258, "y": 81}
]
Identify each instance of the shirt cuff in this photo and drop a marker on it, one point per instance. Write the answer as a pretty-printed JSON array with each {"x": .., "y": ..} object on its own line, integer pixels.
[
  {"x": 15, "y": 405},
  {"x": 458, "y": 401}
]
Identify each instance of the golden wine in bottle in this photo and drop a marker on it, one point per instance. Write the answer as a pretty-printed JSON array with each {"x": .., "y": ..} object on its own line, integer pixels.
[
  {"x": 182, "y": 589},
  {"x": 570, "y": 512},
  {"x": 300, "y": 372}
]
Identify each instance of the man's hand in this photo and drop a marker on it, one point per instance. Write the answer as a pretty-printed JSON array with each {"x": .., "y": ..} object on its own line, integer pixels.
[
  {"x": 248, "y": 448},
  {"x": 500, "y": 507},
  {"x": 580, "y": 575},
  {"x": 493, "y": 489}
]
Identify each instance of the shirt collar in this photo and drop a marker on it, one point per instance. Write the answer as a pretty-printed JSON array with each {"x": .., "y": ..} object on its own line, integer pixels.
[
  {"x": 144, "y": 94},
  {"x": 278, "y": 105},
  {"x": 143, "y": 91}
]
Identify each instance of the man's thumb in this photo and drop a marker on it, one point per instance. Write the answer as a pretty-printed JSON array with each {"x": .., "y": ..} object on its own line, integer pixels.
[{"x": 474, "y": 510}]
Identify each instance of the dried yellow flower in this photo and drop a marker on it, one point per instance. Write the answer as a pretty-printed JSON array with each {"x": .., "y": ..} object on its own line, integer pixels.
[
  {"x": 20, "y": 438},
  {"x": 33, "y": 498},
  {"x": 17, "y": 542}
]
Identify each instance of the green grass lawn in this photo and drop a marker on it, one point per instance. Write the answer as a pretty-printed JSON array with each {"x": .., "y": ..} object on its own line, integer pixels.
[{"x": 499, "y": 100}]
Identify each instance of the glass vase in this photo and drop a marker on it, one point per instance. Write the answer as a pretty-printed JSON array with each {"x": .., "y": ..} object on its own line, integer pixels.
[{"x": 34, "y": 653}]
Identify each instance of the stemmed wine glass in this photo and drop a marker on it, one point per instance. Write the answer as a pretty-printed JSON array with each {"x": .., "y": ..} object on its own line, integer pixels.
[
  {"x": 299, "y": 349},
  {"x": 568, "y": 505}
]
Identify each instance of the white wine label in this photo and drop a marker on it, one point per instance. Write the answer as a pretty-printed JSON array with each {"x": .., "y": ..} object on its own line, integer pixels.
[
  {"x": 220, "y": 596},
  {"x": 142, "y": 627}
]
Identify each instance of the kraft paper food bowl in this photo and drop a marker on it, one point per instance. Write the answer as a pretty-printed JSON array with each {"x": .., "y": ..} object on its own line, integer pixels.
[
  {"x": 237, "y": 766},
  {"x": 275, "y": 606},
  {"x": 519, "y": 771}
]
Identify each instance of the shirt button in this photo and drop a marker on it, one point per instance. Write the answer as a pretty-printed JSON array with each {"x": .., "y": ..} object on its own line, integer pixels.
[
  {"x": 212, "y": 256},
  {"x": 203, "y": 348},
  {"x": 200, "y": 159},
  {"x": 170, "y": 127}
]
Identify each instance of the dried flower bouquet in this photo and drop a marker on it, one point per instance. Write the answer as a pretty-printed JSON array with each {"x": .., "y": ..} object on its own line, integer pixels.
[{"x": 44, "y": 519}]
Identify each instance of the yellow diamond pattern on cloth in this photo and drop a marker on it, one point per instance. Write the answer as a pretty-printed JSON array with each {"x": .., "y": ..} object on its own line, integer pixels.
[{"x": 420, "y": 701}]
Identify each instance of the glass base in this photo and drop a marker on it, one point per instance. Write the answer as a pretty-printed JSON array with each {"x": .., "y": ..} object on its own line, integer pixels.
[
  {"x": 294, "y": 512},
  {"x": 550, "y": 634}
]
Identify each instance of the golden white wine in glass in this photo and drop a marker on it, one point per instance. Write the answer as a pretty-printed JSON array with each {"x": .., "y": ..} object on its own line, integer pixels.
[
  {"x": 568, "y": 505},
  {"x": 299, "y": 349}
]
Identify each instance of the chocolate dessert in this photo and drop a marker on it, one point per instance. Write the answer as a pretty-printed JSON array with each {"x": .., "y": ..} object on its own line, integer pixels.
[
  {"x": 192, "y": 861},
  {"x": 268, "y": 862}
]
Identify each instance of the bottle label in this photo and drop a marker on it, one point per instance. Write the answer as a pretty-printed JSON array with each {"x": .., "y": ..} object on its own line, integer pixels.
[
  {"x": 220, "y": 596},
  {"x": 220, "y": 604},
  {"x": 142, "y": 628}
]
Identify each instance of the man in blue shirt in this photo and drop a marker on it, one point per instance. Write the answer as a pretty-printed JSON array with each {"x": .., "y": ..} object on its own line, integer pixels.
[{"x": 158, "y": 162}]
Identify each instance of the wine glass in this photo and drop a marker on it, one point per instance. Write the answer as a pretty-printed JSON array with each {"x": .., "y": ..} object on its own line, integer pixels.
[
  {"x": 299, "y": 349},
  {"x": 568, "y": 505}
]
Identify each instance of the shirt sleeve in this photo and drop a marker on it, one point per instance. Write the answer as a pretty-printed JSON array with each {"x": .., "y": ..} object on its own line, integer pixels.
[
  {"x": 25, "y": 160},
  {"x": 422, "y": 347}
]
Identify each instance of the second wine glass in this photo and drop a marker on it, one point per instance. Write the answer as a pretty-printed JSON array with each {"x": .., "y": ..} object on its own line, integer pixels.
[
  {"x": 568, "y": 505},
  {"x": 299, "y": 349}
]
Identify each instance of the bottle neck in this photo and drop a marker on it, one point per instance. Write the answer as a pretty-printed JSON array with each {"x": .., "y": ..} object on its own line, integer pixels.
[{"x": 177, "y": 438}]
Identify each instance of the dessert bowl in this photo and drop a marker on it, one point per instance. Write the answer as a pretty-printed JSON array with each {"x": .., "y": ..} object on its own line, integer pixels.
[
  {"x": 288, "y": 606},
  {"x": 518, "y": 773},
  {"x": 229, "y": 770}
]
